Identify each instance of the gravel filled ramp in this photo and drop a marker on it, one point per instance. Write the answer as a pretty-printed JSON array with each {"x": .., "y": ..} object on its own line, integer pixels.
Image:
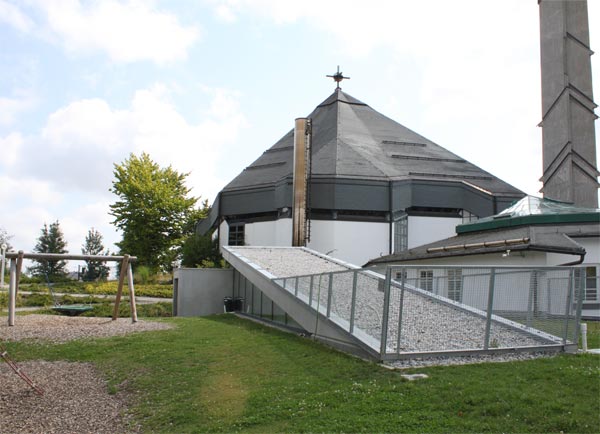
[{"x": 430, "y": 323}]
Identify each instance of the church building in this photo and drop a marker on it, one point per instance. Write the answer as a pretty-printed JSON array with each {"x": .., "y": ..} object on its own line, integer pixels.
[{"x": 368, "y": 186}]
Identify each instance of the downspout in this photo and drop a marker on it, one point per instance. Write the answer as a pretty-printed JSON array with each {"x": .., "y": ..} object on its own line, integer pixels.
[
  {"x": 299, "y": 188},
  {"x": 391, "y": 231}
]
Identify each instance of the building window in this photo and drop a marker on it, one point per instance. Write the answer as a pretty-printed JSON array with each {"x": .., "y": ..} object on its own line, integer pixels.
[
  {"x": 467, "y": 216},
  {"x": 426, "y": 280},
  {"x": 455, "y": 284},
  {"x": 401, "y": 275},
  {"x": 401, "y": 234},
  {"x": 591, "y": 284},
  {"x": 236, "y": 234}
]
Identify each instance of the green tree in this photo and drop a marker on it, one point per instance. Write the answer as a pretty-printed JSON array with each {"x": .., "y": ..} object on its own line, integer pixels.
[
  {"x": 153, "y": 210},
  {"x": 201, "y": 251},
  {"x": 5, "y": 238},
  {"x": 95, "y": 270},
  {"x": 51, "y": 240}
]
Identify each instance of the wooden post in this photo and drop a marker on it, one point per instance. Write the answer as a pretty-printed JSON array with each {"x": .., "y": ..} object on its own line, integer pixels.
[
  {"x": 19, "y": 266},
  {"x": 124, "y": 267},
  {"x": 131, "y": 294},
  {"x": 12, "y": 292}
]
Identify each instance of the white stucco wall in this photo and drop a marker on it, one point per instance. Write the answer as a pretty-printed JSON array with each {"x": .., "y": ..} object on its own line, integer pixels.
[
  {"x": 592, "y": 249},
  {"x": 425, "y": 230},
  {"x": 271, "y": 233},
  {"x": 354, "y": 242}
]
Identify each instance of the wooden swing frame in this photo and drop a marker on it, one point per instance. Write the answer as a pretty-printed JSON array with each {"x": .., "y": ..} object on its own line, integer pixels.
[{"x": 16, "y": 264}]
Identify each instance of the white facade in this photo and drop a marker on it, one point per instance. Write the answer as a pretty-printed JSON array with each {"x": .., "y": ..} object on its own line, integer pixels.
[
  {"x": 425, "y": 230},
  {"x": 270, "y": 233},
  {"x": 355, "y": 242}
]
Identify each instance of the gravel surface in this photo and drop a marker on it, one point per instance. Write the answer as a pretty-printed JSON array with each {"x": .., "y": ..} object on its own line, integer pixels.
[
  {"x": 288, "y": 261},
  {"x": 427, "y": 324},
  {"x": 466, "y": 360},
  {"x": 76, "y": 398},
  {"x": 56, "y": 328}
]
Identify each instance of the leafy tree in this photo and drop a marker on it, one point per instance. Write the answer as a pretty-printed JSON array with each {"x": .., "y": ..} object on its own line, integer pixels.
[
  {"x": 153, "y": 210},
  {"x": 51, "y": 240},
  {"x": 95, "y": 270},
  {"x": 5, "y": 238},
  {"x": 201, "y": 251}
]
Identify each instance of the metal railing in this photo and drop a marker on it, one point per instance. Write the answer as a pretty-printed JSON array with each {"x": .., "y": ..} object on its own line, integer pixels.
[{"x": 435, "y": 309}]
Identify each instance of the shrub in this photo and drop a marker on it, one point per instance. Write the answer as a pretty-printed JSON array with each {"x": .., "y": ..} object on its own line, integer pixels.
[{"x": 142, "y": 275}]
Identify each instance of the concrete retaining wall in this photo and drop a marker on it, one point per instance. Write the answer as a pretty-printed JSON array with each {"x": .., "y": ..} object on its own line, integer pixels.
[{"x": 200, "y": 291}]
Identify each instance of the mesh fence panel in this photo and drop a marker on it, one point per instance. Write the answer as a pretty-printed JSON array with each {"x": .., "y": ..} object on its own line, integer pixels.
[
  {"x": 341, "y": 298},
  {"x": 446, "y": 308},
  {"x": 368, "y": 312},
  {"x": 436, "y": 309}
]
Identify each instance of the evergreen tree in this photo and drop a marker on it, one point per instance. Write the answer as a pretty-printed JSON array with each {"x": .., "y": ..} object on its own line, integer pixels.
[
  {"x": 95, "y": 270},
  {"x": 51, "y": 240}
]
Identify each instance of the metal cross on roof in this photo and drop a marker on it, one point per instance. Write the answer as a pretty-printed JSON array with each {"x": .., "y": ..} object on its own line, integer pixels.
[{"x": 338, "y": 76}]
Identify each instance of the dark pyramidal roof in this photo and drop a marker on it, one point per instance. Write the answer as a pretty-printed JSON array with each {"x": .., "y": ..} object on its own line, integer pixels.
[{"x": 351, "y": 140}]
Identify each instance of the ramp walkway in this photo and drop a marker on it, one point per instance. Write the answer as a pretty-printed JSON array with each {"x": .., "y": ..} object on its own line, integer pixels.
[{"x": 374, "y": 316}]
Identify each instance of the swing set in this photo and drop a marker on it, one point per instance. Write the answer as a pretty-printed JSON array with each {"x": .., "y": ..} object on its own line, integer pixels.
[{"x": 16, "y": 264}]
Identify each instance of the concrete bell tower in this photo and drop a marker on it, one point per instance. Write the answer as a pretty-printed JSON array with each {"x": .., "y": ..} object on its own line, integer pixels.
[{"x": 570, "y": 171}]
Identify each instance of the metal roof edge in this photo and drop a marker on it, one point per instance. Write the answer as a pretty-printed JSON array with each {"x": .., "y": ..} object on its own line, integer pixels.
[{"x": 528, "y": 220}]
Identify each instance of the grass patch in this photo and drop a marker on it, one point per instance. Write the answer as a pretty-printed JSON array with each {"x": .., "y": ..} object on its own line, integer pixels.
[
  {"x": 225, "y": 374},
  {"x": 593, "y": 334}
]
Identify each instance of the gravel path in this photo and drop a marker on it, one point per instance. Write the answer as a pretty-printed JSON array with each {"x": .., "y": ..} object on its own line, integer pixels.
[
  {"x": 56, "y": 328},
  {"x": 76, "y": 398}
]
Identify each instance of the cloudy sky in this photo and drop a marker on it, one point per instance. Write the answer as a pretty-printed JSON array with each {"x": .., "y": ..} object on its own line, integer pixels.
[{"x": 206, "y": 86}]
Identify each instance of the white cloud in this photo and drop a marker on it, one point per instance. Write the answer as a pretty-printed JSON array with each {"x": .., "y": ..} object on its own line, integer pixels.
[
  {"x": 10, "y": 146},
  {"x": 127, "y": 31},
  {"x": 12, "y": 15},
  {"x": 11, "y": 107},
  {"x": 80, "y": 142},
  {"x": 66, "y": 171},
  {"x": 24, "y": 189}
]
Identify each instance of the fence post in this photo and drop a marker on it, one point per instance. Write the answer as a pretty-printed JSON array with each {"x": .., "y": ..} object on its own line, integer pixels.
[
  {"x": 532, "y": 283},
  {"x": 296, "y": 286},
  {"x": 490, "y": 307},
  {"x": 329, "y": 291},
  {"x": 310, "y": 292},
  {"x": 12, "y": 292},
  {"x": 568, "y": 305},
  {"x": 401, "y": 310},
  {"x": 583, "y": 285},
  {"x": 385, "y": 315},
  {"x": 285, "y": 283},
  {"x": 353, "y": 303}
]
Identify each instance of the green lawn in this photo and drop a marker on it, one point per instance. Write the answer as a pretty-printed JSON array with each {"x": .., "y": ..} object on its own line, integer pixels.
[
  {"x": 225, "y": 374},
  {"x": 593, "y": 334}
]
